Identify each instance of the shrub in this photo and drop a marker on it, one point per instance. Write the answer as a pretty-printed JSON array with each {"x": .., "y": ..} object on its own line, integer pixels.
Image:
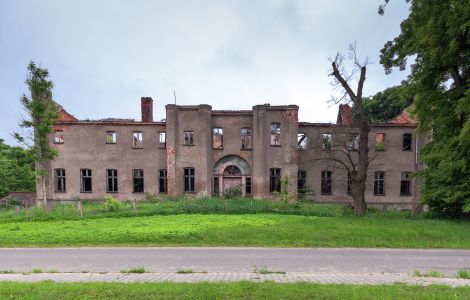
[
  {"x": 112, "y": 204},
  {"x": 233, "y": 191}
]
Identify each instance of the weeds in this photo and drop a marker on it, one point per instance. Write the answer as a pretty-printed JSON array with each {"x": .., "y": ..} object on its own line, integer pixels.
[
  {"x": 265, "y": 270},
  {"x": 464, "y": 273},
  {"x": 37, "y": 270},
  {"x": 430, "y": 273},
  {"x": 184, "y": 271},
  {"x": 7, "y": 272},
  {"x": 134, "y": 270}
]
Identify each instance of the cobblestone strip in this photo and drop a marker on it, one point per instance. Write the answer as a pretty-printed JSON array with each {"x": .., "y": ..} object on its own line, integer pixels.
[{"x": 334, "y": 278}]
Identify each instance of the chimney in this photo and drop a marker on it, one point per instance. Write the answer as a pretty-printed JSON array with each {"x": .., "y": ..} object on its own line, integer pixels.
[
  {"x": 344, "y": 115},
  {"x": 147, "y": 109}
]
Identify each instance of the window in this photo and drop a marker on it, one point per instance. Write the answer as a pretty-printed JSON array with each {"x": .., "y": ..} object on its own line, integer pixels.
[
  {"x": 349, "y": 190},
  {"x": 162, "y": 139},
  {"x": 407, "y": 138},
  {"x": 112, "y": 181},
  {"x": 302, "y": 141},
  {"x": 163, "y": 181},
  {"x": 248, "y": 186},
  {"x": 246, "y": 138},
  {"x": 58, "y": 137},
  {"x": 85, "y": 175},
  {"x": 326, "y": 141},
  {"x": 189, "y": 180},
  {"x": 379, "y": 141},
  {"x": 189, "y": 138},
  {"x": 110, "y": 137},
  {"x": 379, "y": 183},
  {"x": 275, "y": 134},
  {"x": 301, "y": 176},
  {"x": 216, "y": 185},
  {"x": 138, "y": 175},
  {"x": 354, "y": 143},
  {"x": 326, "y": 182},
  {"x": 60, "y": 180},
  {"x": 405, "y": 184},
  {"x": 137, "y": 139},
  {"x": 217, "y": 138},
  {"x": 275, "y": 180}
]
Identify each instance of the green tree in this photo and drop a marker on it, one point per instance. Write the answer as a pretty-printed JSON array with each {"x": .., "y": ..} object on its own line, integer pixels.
[
  {"x": 385, "y": 105},
  {"x": 436, "y": 37},
  {"x": 41, "y": 112},
  {"x": 16, "y": 169}
]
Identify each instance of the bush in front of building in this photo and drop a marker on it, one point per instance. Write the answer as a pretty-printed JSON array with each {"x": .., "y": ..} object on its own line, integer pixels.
[{"x": 112, "y": 204}]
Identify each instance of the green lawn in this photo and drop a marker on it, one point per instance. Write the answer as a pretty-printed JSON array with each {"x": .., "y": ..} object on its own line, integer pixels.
[
  {"x": 272, "y": 230},
  {"x": 240, "y": 290}
]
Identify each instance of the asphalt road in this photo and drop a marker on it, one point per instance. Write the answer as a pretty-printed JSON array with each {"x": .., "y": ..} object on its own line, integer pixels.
[{"x": 168, "y": 259}]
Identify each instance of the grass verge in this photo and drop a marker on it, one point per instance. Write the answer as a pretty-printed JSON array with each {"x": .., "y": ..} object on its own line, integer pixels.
[
  {"x": 269, "y": 230},
  {"x": 239, "y": 290}
]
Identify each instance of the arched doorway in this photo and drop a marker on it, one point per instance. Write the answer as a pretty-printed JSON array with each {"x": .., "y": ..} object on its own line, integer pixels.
[{"x": 231, "y": 171}]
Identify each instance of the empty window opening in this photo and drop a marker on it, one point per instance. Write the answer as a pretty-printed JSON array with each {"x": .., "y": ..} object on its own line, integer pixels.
[
  {"x": 163, "y": 181},
  {"x": 232, "y": 170},
  {"x": 275, "y": 180},
  {"x": 58, "y": 137},
  {"x": 349, "y": 189},
  {"x": 86, "y": 184},
  {"x": 112, "y": 181},
  {"x": 60, "y": 180},
  {"x": 379, "y": 183},
  {"x": 217, "y": 138},
  {"x": 326, "y": 182},
  {"x": 246, "y": 138},
  {"x": 407, "y": 140},
  {"x": 162, "y": 139},
  {"x": 189, "y": 176},
  {"x": 137, "y": 139},
  {"x": 379, "y": 141},
  {"x": 405, "y": 184},
  {"x": 138, "y": 175},
  {"x": 110, "y": 137},
  {"x": 189, "y": 138},
  {"x": 326, "y": 141},
  {"x": 302, "y": 141},
  {"x": 354, "y": 143},
  {"x": 216, "y": 185},
  {"x": 275, "y": 134},
  {"x": 248, "y": 186},
  {"x": 301, "y": 182}
]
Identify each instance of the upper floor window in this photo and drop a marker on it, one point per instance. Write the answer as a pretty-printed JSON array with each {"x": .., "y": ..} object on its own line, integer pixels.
[
  {"x": 407, "y": 140},
  {"x": 60, "y": 180},
  {"x": 111, "y": 181},
  {"x": 353, "y": 142},
  {"x": 110, "y": 137},
  {"x": 327, "y": 139},
  {"x": 137, "y": 139},
  {"x": 275, "y": 180},
  {"x": 86, "y": 184},
  {"x": 379, "y": 141},
  {"x": 189, "y": 180},
  {"x": 405, "y": 184},
  {"x": 379, "y": 183},
  {"x": 246, "y": 138},
  {"x": 58, "y": 137},
  {"x": 217, "y": 138},
  {"x": 275, "y": 134},
  {"x": 326, "y": 182},
  {"x": 138, "y": 176},
  {"x": 162, "y": 138},
  {"x": 302, "y": 141},
  {"x": 189, "y": 138}
]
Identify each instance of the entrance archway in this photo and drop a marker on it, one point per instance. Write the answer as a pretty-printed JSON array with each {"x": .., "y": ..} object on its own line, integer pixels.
[{"x": 231, "y": 171}]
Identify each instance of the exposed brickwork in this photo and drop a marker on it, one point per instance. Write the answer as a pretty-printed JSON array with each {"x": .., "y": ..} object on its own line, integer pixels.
[
  {"x": 344, "y": 115},
  {"x": 147, "y": 109}
]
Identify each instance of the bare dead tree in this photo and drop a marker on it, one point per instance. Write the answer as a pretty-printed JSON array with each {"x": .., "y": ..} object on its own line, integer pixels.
[{"x": 355, "y": 161}]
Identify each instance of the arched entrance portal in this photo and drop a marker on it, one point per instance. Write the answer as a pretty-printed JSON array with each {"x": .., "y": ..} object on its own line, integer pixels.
[{"x": 231, "y": 171}]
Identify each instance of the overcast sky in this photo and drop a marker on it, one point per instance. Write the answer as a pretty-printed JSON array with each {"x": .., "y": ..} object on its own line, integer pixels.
[{"x": 104, "y": 55}]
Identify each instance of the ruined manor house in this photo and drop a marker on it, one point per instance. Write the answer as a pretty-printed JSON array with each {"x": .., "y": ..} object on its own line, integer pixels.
[{"x": 196, "y": 149}]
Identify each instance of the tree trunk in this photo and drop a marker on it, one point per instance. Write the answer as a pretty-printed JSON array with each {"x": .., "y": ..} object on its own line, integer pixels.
[
  {"x": 44, "y": 194},
  {"x": 360, "y": 205}
]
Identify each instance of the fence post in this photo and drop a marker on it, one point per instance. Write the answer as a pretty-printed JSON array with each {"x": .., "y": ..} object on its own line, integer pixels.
[
  {"x": 80, "y": 207},
  {"x": 17, "y": 209},
  {"x": 134, "y": 204}
]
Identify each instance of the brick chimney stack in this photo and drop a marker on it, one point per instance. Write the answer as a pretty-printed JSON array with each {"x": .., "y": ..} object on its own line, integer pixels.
[{"x": 147, "y": 109}]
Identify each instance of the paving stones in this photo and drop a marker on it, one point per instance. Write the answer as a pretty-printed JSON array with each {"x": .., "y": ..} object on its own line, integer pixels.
[{"x": 291, "y": 277}]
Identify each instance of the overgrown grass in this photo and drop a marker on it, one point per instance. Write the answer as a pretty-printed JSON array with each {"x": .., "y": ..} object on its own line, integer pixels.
[
  {"x": 269, "y": 230},
  {"x": 134, "y": 270},
  {"x": 238, "y": 290},
  {"x": 464, "y": 273},
  {"x": 430, "y": 273},
  {"x": 185, "y": 271}
]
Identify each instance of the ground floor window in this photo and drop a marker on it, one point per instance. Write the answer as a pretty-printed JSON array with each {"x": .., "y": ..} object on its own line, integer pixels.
[
  {"x": 248, "y": 186},
  {"x": 379, "y": 183},
  {"x": 138, "y": 175},
  {"x": 60, "y": 180},
  {"x": 189, "y": 176},
  {"x": 216, "y": 185},
  {"x": 326, "y": 182},
  {"x": 86, "y": 184},
  {"x": 163, "y": 181},
  {"x": 112, "y": 181},
  {"x": 301, "y": 182},
  {"x": 349, "y": 190},
  {"x": 405, "y": 184},
  {"x": 275, "y": 180}
]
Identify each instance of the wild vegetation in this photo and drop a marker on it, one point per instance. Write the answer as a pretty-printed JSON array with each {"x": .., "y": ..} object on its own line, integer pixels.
[{"x": 234, "y": 290}]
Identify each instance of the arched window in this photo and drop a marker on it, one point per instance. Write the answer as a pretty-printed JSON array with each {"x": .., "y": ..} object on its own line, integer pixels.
[{"x": 232, "y": 170}]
